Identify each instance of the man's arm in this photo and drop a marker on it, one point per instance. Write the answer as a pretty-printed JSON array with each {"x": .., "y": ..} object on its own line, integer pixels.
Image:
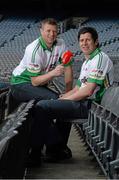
[
  {"x": 69, "y": 93},
  {"x": 79, "y": 93},
  {"x": 45, "y": 78},
  {"x": 68, "y": 77}
]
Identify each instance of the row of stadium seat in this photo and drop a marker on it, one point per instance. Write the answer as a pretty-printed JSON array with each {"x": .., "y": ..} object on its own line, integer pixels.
[
  {"x": 11, "y": 52},
  {"x": 101, "y": 133},
  {"x": 14, "y": 137}
]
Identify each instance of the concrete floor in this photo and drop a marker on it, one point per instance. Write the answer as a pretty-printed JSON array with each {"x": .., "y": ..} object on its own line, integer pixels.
[{"x": 81, "y": 166}]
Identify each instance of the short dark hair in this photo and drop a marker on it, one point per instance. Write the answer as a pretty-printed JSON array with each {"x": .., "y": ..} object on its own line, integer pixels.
[
  {"x": 51, "y": 21},
  {"x": 90, "y": 30}
]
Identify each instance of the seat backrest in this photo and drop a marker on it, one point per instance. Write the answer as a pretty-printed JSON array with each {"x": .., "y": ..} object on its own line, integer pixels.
[
  {"x": 110, "y": 99},
  {"x": 3, "y": 97},
  {"x": 6, "y": 89}
]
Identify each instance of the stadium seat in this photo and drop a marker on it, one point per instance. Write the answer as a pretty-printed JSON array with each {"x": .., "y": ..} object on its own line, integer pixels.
[
  {"x": 12, "y": 162},
  {"x": 3, "y": 105}
]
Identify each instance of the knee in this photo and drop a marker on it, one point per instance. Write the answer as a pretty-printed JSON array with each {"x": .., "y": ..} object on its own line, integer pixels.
[
  {"x": 46, "y": 105},
  {"x": 42, "y": 105},
  {"x": 39, "y": 110}
]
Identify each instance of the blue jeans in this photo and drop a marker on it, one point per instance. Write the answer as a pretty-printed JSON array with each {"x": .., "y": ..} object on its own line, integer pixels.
[
  {"x": 25, "y": 92},
  {"x": 48, "y": 110}
]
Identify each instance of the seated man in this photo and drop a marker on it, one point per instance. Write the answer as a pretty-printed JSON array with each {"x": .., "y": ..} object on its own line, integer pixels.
[
  {"x": 41, "y": 64},
  {"x": 96, "y": 75}
]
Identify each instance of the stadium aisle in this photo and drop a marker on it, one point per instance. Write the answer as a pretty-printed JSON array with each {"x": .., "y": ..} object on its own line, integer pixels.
[{"x": 81, "y": 166}]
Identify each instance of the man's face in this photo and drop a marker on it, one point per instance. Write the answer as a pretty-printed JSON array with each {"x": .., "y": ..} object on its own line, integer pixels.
[
  {"x": 49, "y": 34},
  {"x": 87, "y": 44}
]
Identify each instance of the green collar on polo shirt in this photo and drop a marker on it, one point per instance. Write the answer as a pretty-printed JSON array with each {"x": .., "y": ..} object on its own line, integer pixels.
[
  {"x": 94, "y": 53},
  {"x": 44, "y": 45}
]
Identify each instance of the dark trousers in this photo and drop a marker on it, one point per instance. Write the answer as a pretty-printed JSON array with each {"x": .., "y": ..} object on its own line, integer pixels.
[
  {"x": 25, "y": 92},
  {"x": 48, "y": 112}
]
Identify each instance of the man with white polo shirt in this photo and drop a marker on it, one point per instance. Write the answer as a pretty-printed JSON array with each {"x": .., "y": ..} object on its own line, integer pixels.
[
  {"x": 40, "y": 65},
  {"x": 95, "y": 77}
]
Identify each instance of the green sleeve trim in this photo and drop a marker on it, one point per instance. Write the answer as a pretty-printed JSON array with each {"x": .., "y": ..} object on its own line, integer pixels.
[
  {"x": 31, "y": 74},
  {"x": 78, "y": 83},
  {"x": 100, "y": 82},
  {"x": 19, "y": 79},
  {"x": 24, "y": 77}
]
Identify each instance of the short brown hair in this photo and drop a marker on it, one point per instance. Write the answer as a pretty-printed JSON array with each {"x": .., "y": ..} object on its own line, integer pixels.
[
  {"x": 51, "y": 21},
  {"x": 90, "y": 30}
]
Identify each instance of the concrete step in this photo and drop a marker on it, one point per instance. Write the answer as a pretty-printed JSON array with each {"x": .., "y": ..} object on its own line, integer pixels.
[{"x": 81, "y": 166}]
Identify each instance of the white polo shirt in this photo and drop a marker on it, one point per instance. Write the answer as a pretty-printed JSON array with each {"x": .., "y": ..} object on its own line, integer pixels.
[
  {"x": 37, "y": 60},
  {"x": 97, "y": 69}
]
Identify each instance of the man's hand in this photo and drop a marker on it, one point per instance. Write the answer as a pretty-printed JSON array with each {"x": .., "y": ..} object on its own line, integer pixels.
[{"x": 58, "y": 71}]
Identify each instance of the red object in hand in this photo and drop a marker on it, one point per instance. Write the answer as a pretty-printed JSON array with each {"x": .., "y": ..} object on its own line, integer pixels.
[{"x": 66, "y": 57}]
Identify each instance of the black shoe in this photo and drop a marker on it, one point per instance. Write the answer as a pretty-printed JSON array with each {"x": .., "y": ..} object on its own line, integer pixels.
[
  {"x": 59, "y": 155},
  {"x": 34, "y": 159},
  {"x": 65, "y": 153}
]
